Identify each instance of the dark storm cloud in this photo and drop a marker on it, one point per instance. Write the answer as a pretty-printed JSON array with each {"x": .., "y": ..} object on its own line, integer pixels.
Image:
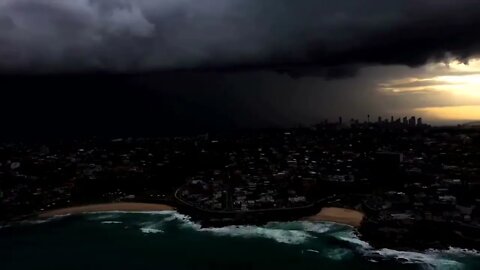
[{"x": 314, "y": 37}]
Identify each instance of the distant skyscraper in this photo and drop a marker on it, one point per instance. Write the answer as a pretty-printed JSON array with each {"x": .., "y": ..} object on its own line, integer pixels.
[
  {"x": 419, "y": 121},
  {"x": 379, "y": 119},
  {"x": 412, "y": 122},
  {"x": 405, "y": 120}
]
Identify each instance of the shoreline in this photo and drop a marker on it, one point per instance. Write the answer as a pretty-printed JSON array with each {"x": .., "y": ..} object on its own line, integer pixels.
[
  {"x": 106, "y": 207},
  {"x": 328, "y": 214},
  {"x": 338, "y": 215}
]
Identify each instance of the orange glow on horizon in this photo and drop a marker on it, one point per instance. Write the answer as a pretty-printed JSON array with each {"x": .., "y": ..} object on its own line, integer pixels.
[
  {"x": 466, "y": 113},
  {"x": 455, "y": 83}
]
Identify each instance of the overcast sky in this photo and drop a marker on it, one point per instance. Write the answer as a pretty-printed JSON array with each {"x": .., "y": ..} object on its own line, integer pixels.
[{"x": 272, "y": 61}]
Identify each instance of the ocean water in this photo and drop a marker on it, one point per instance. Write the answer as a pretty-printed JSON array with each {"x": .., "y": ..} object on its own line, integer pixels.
[{"x": 168, "y": 240}]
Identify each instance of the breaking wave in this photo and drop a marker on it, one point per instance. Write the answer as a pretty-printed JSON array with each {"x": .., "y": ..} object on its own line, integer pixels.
[
  {"x": 274, "y": 231},
  {"x": 428, "y": 261},
  {"x": 103, "y": 216},
  {"x": 45, "y": 220},
  {"x": 337, "y": 254},
  {"x": 350, "y": 237},
  {"x": 431, "y": 259},
  {"x": 151, "y": 230},
  {"x": 463, "y": 252},
  {"x": 279, "y": 235},
  {"x": 294, "y": 233},
  {"x": 111, "y": 222}
]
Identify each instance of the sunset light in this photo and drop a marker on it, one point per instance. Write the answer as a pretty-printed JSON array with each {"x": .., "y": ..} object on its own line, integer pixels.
[{"x": 455, "y": 80}]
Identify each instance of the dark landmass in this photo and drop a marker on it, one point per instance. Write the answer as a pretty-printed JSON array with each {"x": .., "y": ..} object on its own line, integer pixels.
[{"x": 418, "y": 185}]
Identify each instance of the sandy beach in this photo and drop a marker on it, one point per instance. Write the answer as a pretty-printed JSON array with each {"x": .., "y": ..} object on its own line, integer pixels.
[
  {"x": 339, "y": 215},
  {"x": 107, "y": 207},
  {"x": 332, "y": 214}
]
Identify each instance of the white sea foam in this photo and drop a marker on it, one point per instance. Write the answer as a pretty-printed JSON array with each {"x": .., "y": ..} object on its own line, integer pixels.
[
  {"x": 307, "y": 226},
  {"x": 283, "y": 232},
  {"x": 279, "y": 235},
  {"x": 299, "y": 232},
  {"x": 60, "y": 216},
  {"x": 321, "y": 227},
  {"x": 351, "y": 237},
  {"x": 181, "y": 217},
  {"x": 428, "y": 261},
  {"x": 151, "y": 230},
  {"x": 272, "y": 231},
  {"x": 45, "y": 220},
  {"x": 337, "y": 254},
  {"x": 432, "y": 259},
  {"x": 296, "y": 232},
  {"x": 172, "y": 218},
  {"x": 38, "y": 221},
  {"x": 111, "y": 222},
  {"x": 103, "y": 215},
  {"x": 461, "y": 252}
]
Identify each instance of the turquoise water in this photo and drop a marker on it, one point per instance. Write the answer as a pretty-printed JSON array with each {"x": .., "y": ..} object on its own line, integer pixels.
[{"x": 168, "y": 240}]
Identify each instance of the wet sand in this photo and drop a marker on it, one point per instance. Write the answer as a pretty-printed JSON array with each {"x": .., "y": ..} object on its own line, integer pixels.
[
  {"x": 107, "y": 207},
  {"x": 331, "y": 214},
  {"x": 338, "y": 215}
]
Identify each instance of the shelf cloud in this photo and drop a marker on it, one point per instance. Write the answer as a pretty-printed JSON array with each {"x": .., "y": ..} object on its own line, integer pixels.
[{"x": 326, "y": 38}]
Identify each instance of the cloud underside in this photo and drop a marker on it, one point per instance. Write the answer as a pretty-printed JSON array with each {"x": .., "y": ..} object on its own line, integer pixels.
[{"x": 328, "y": 38}]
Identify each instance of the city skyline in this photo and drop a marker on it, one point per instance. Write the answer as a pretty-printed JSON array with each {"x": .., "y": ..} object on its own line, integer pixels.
[
  {"x": 240, "y": 134},
  {"x": 235, "y": 64}
]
